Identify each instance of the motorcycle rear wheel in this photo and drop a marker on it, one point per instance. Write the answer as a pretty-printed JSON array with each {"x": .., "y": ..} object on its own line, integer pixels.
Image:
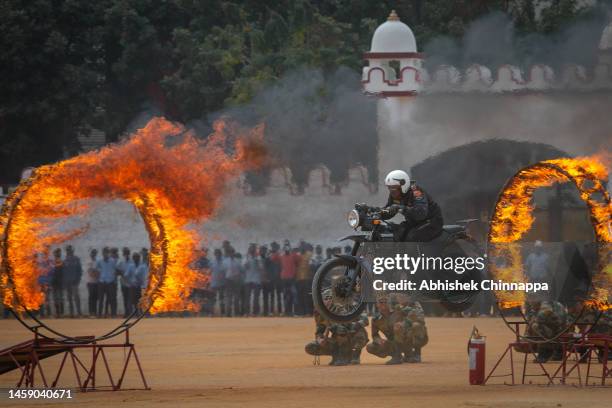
[{"x": 459, "y": 301}]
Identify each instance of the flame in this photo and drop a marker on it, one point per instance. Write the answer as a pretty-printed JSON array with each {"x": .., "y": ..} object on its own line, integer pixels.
[
  {"x": 170, "y": 176},
  {"x": 513, "y": 217}
]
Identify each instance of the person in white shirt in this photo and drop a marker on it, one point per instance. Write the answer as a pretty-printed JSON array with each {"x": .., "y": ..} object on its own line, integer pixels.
[{"x": 537, "y": 265}]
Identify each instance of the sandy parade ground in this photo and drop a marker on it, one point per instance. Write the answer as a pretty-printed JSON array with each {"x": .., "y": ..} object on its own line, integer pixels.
[{"x": 217, "y": 362}]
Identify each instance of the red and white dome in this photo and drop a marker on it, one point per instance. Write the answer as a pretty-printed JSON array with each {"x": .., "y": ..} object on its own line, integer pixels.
[{"x": 393, "y": 36}]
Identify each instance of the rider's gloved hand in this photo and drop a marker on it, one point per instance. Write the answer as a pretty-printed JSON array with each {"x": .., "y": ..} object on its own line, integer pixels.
[
  {"x": 397, "y": 208},
  {"x": 387, "y": 212}
]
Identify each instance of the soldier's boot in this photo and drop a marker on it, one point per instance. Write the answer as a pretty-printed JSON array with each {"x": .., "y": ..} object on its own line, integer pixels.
[
  {"x": 557, "y": 355},
  {"x": 339, "y": 357},
  {"x": 408, "y": 356},
  {"x": 334, "y": 354},
  {"x": 356, "y": 357},
  {"x": 601, "y": 355},
  {"x": 344, "y": 356},
  {"x": 396, "y": 357},
  {"x": 416, "y": 355},
  {"x": 543, "y": 356}
]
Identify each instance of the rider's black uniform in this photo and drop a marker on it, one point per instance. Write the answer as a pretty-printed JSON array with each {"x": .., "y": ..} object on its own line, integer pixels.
[{"x": 423, "y": 216}]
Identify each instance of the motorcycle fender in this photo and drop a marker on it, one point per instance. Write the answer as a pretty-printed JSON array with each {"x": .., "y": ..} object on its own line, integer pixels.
[
  {"x": 356, "y": 238},
  {"x": 355, "y": 260}
]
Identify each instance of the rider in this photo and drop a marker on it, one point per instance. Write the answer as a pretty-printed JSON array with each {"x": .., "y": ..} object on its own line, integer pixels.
[{"x": 423, "y": 217}]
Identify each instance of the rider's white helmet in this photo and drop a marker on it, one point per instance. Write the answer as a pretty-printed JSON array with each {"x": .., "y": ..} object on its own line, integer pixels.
[{"x": 398, "y": 178}]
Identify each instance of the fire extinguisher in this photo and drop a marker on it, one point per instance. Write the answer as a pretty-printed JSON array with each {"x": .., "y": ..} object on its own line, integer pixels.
[{"x": 476, "y": 357}]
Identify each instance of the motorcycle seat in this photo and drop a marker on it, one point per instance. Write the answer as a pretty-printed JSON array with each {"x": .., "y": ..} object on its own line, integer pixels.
[{"x": 453, "y": 229}]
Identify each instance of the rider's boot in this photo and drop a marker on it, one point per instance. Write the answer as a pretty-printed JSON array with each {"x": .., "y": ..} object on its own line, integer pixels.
[{"x": 356, "y": 357}]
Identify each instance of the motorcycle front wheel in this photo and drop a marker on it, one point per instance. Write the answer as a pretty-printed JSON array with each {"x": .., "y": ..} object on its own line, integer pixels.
[{"x": 332, "y": 293}]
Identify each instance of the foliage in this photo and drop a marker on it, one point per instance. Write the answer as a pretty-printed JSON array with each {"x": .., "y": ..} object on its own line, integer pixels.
[{"x": 69, "y": 65}]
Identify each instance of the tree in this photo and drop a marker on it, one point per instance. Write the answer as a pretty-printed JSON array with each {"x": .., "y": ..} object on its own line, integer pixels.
[
  {"x": 68, "y": 65},
  {"x": 49, "y": 70}
]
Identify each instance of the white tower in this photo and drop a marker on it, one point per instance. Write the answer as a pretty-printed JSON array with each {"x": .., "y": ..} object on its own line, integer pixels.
[
  {"x": 605, "y": 46},
  {"x": 395, "y": 75}
]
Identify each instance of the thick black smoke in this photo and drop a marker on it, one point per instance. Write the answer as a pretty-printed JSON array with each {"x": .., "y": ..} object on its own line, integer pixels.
[{"x": 314, "y": 118}]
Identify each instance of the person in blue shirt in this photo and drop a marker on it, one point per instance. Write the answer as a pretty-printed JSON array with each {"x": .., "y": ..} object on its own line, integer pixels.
[
  {"x": 108, "y": 284},
  {"x": 73, "y": 272},
  {"x": 123, "y": 266},
  {"x": 131, "y": 280}
]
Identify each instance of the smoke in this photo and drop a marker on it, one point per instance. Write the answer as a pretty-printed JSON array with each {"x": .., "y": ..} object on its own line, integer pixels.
[
  {"x": 494, "y": 40},
  {"x": 576, "y": 122},
  {"x": 315, "y": 118}
]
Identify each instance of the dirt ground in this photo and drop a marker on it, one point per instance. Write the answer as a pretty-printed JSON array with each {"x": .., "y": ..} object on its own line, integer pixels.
[{"x": 260, "y": 362}]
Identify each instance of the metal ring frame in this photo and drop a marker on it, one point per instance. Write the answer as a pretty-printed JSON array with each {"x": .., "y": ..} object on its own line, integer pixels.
[
  {"x": 11, "y": 204},
  {"x": 601, "y": 190}
]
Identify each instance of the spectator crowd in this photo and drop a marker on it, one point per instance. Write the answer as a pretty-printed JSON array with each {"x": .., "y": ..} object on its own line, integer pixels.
[
  {"x": 269, "y": 280},
  {"x": 266, "y": 281},
  {"x": 62, "y": 274}
]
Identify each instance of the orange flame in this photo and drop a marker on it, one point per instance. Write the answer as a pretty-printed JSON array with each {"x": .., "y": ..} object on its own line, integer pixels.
[
  {"x": 170, "y": 176},
  {"x": 513, "y": 217}
]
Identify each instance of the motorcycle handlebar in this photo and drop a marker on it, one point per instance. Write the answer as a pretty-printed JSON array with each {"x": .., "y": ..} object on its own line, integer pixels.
[
  {"x": 374, "y": 210},
  {"x": 367, "y": 208}
]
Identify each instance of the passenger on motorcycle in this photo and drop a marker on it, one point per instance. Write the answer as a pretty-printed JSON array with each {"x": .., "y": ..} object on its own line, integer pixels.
[{"x": 423, "y": 217}]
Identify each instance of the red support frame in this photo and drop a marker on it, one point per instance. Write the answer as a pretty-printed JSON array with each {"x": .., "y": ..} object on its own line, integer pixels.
[
  {"x": 530, "y": 350},
  {"x": 577, "y": 349},
  {"x": 27, "y": 358},
  {"x": 590, "y": 349}
]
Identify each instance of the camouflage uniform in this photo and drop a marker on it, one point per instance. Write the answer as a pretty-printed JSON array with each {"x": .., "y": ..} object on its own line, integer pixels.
[
  {"x": 547, "y": 320},
  {"x": 383, "y": 322},
  {"x": 409, "y": 329},
  {"x": 341, "y": 341},
  {"x": 358, "y": 337},
  {"x": 322, "y": 344},
  {"x": 604, "y": 323}
]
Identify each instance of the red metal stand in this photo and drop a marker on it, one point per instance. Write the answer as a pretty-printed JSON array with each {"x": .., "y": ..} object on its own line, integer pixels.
[
  {"x": 27, "y": 358},
  {"x": 578, "y": 351},
  {"x": 529, "y": 350},
  {"x": 589, "y": 350}
]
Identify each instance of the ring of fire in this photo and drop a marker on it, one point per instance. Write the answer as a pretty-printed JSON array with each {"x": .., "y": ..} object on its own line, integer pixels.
[
  {"x": 158, "y": 260},
  {"x": 144, "y": 171},
  {"x": 513, "y": 217}
]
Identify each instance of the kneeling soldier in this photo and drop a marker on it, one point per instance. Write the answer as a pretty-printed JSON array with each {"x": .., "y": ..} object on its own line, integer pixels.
[
  {"x": 382, "y": 323},
  {"x": 409, "y": 329},
  {"x": 341, "y": 341}
]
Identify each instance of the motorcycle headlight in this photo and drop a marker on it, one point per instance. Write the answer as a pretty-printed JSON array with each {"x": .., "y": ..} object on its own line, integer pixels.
[{"x": 353, "y": 219}]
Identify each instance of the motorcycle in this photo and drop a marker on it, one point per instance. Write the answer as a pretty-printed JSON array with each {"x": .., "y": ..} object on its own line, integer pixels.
[{"x": 341, "y": 286}]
